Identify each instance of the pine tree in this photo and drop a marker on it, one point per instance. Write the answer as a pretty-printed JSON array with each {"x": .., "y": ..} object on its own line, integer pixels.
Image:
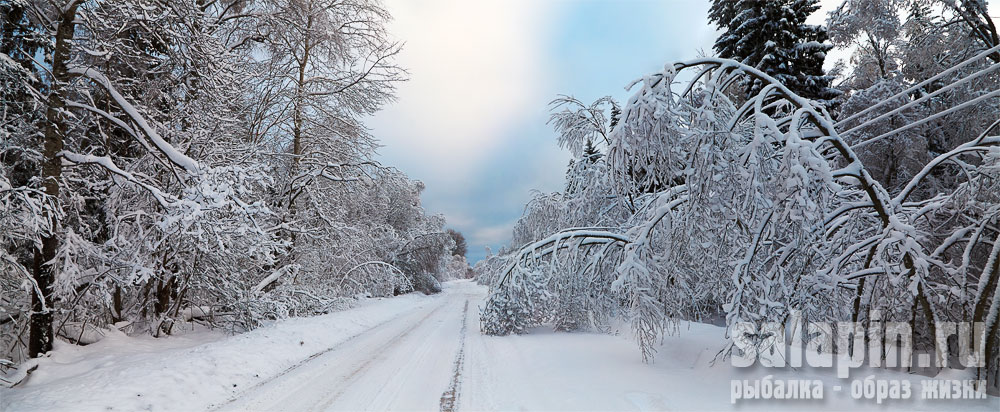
[
  {"x": 590, "y": 152},
  {"x": 772, "y": 36},
  {"x": 616, "y": 114},
  {"x": 722, "y": 13}
]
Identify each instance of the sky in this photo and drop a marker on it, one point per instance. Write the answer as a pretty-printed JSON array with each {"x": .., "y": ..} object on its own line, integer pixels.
[{"x": 471, "y": 120}]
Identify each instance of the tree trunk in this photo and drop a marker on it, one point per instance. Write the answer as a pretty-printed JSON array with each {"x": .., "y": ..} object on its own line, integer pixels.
[
  {"x": 40, "y": 334},
  {"x": 116, "y": 308},
  {"x": 992, "y": 274},
  {"x": 298, "y": 116},
  {"x": 163, "y": 292},
  {"x": 987, "y": 310},
  {"x": 298, "y": 120}
]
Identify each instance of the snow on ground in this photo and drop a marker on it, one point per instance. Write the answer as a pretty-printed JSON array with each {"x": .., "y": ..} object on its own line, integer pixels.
[
  {"x": 406, "y": 364},
  {"x": 401, "y": 354},
  {"x": 192, "y": 372},
  {"x": 592, "y": 372}
]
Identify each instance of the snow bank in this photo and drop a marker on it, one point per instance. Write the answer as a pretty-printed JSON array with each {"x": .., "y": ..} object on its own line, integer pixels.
[
  {"x": 551, "y": 371},
  {"x": 189, "y": 372}
]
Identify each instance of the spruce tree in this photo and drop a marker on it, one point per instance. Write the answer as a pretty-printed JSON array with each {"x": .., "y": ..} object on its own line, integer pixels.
[
  {"x": 590, "y": 152},
  {"x": 616, "y": 114},
  {"x": 772, "y": 36}
]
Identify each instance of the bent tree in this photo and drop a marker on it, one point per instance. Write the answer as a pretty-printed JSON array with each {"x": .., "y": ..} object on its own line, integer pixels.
[{"x": 753, "y": 210}]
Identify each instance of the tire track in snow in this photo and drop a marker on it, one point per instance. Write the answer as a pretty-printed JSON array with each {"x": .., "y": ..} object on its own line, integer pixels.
[
  {"x": 450, "y": 397},
  {"x": 312, "y": 357},
  {"x": 359, "y": 371}
]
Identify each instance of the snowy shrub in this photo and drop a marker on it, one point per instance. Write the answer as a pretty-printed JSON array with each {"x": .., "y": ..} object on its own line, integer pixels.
[{"x": 523, "y": 303}]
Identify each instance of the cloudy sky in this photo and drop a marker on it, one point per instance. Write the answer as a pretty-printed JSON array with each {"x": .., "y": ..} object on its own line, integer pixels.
[{"x": 471, "y": 121}]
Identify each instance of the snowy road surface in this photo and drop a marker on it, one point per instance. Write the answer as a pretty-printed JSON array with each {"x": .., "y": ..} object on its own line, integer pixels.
[
  {"x": 405, "y": 364},
  {"x": 411, "y": 353}
]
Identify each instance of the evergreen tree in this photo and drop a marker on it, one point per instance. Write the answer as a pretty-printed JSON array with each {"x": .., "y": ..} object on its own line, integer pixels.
[
  {"x": 616, "y": 114},
  {"x": 21, "y": 40},
  {"x": 772, "y": 35},
  {"x": 590, "y": 152},
  {"x": 722, "y": 13}
]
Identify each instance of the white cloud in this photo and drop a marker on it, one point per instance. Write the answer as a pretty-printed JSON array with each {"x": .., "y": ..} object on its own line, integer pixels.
[
  {"x": 474, "y": 67},
  {"x": 491, "y": 235}
]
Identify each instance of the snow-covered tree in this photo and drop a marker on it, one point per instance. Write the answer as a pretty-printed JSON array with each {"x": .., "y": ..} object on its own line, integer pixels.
[
  {"x": 170, "y": 163},
  {"x": 461, "y": 247},
  {"x": 777, "y": 212},
  {"x": 773, "y": 37},
  {"x": 873, "y": 29},
  {"x": 124, "y": 154},
  {"x": 891, "y": 56}
]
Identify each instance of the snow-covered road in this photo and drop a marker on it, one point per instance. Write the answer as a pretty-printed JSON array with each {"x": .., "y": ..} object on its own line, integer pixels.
[
  {"x": 414, "y": 352},
  {"x": 407, "y": 363},
  {"x": 435, "y": 358}
]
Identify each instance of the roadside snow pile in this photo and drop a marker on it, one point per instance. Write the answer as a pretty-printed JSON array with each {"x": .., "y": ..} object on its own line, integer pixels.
[
  {"x": 554, "y": 371},
  {"x": 190, "y": 372}
]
